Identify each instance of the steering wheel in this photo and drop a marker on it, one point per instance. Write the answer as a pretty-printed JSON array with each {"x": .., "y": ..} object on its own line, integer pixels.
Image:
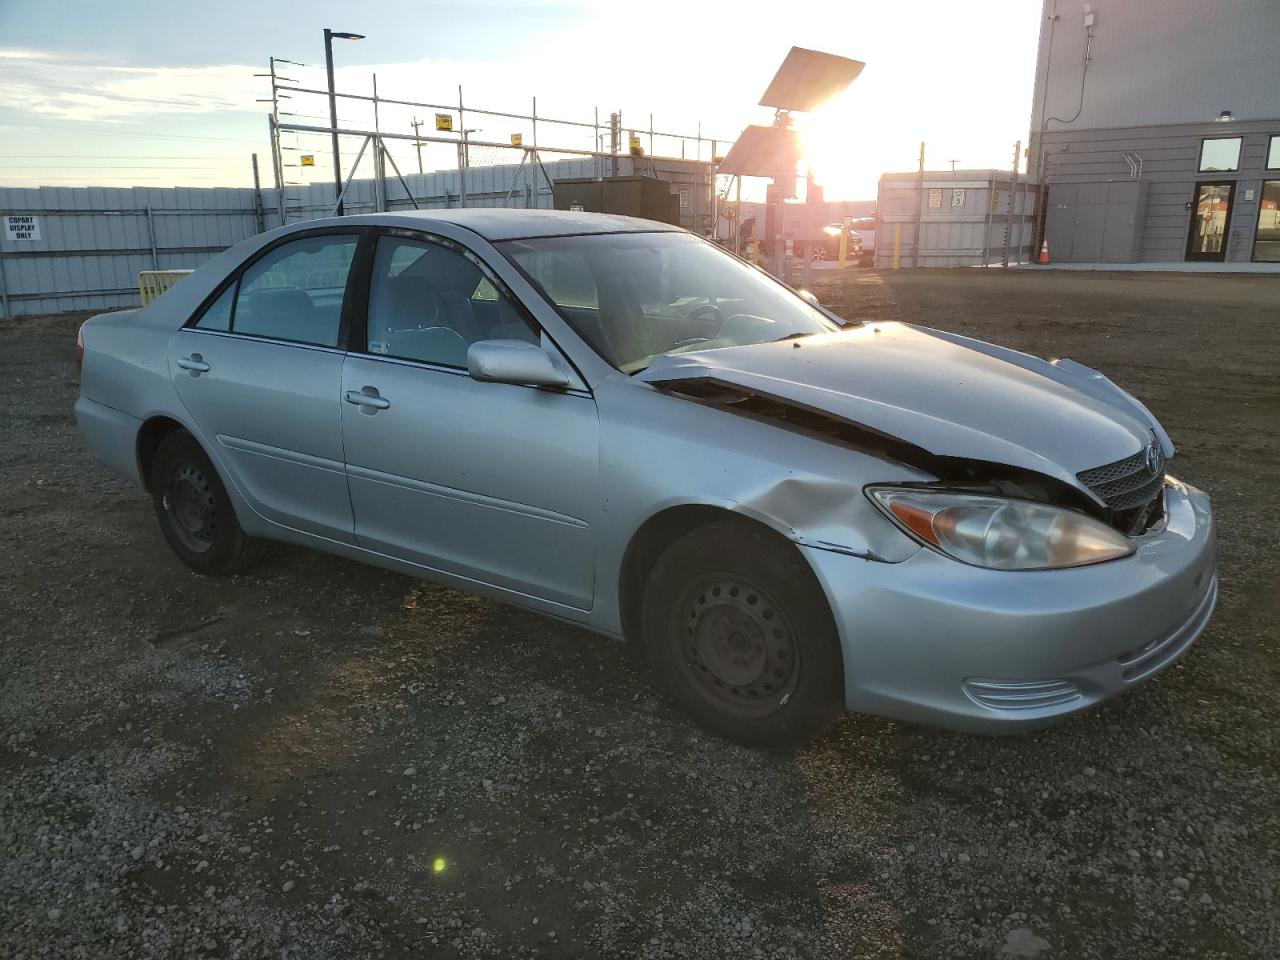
[{"x": 709, "y": 317}]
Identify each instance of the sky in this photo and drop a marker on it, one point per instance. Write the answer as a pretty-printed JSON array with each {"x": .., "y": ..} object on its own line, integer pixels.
[{"x": 139, "y": 92}]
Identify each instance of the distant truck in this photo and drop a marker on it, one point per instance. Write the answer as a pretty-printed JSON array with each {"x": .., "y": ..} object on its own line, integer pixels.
[
  {"x": 861, "y": 245},
  {"x": 865, "y": 228}
]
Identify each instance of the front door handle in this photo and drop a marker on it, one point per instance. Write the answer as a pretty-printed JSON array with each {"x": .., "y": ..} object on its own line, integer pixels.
[
  {"x": 195, "y": 363},
  {"x": 367, "y": 397}
]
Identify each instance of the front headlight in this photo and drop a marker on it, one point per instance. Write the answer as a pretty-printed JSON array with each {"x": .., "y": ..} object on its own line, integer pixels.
[{"x": 1000, "y": 533}]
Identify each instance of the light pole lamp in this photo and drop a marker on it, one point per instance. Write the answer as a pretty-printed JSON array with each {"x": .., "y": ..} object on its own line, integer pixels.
[{"x": 329, "y": 36}]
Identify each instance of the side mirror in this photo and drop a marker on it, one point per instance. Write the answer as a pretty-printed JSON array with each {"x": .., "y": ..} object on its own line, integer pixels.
[
  {"x": 810, "y": 296},
  {"x": 513, "y": 361}
]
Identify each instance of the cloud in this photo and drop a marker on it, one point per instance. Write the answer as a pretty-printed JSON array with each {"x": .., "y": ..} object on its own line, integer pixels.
[
  {"x": 13, "y": 54},
  {"x": 33, "y": 81}
]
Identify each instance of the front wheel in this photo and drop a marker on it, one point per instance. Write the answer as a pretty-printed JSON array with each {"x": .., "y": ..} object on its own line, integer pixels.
[
  {"x": 194, "y": 510},
  {"x": 736, "y": 624}
]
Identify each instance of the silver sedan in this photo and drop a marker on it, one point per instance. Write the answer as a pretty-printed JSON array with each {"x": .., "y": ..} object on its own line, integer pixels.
[{"x": 616, "y": 423}]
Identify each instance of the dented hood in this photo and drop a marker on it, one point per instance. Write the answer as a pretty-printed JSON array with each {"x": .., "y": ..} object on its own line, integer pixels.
[{"x": 946, "y": 395}]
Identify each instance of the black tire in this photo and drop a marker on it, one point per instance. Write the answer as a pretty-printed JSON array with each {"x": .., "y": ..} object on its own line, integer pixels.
[
  {"x": 194, "y": 511},
  {"x": 737, "y": 626}
]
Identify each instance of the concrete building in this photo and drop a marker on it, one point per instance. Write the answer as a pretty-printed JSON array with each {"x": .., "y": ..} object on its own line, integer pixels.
[{"x": 1156, "y": 129}]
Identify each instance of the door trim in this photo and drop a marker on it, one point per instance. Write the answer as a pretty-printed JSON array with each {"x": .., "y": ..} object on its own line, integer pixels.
[
  {"x": 1221, "y": 255},
  {"x": 429, "y": 367},
  {"x": 231, "y": 335},
  {"x": 452, "y": 493},
  {"x": 277, "y": 453}
]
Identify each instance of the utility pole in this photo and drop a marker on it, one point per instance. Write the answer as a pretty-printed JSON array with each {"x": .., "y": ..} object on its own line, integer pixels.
[
  {"x": 920, "y": 202},
  {"x": 257, "y": 197},
  {"x": 416, "y": 123},
  {"x": 1013, "y": 203},
  {"x": 277, "y": 161},
  {"x": 615, "y": 138},
  {"x": 953, "y": 165}
]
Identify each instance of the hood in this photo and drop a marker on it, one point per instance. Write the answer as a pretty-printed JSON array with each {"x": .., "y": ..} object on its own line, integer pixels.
[{"x": 942, "y": 394}]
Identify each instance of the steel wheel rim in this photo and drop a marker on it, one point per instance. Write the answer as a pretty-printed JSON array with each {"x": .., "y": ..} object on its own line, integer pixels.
[
  {"x": 191, "y": 507},
  {"x": 738, "y": 646}
]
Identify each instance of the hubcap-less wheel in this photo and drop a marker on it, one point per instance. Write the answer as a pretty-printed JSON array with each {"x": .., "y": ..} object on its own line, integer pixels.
[
  {"x": 190, "y": 506},
  {"x": 740, "y": 649}
]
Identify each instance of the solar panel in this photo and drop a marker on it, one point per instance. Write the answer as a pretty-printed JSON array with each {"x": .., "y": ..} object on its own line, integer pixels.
[{"x": 809, "y": 78}]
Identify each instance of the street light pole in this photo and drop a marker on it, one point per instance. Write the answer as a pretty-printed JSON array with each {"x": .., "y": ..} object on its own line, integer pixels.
[{"x": 329, "y": 36}]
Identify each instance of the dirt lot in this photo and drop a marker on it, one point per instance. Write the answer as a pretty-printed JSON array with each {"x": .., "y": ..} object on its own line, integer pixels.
[{"x": 322, "y": 760}]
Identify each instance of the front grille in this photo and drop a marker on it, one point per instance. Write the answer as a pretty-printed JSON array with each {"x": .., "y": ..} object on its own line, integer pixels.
[{"x": 1128, "y": 483}]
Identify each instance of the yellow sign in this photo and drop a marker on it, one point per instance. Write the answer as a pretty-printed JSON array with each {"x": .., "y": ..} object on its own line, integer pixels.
[
  {"x": 517, "y": 139},
  {"x": 636, "y": 149},
  {"x": 444, "y": 121},
  {"x": 308, "y": 159}
]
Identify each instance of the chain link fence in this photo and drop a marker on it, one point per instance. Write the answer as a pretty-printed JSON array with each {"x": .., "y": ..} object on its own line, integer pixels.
[
  {"x": 384, "y": 172},
  {"x": 84, "y": 248},
  {"x": 89, "y": 244}
]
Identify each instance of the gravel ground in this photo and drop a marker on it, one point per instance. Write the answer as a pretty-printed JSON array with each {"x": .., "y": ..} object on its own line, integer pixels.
[{"x": 323, "y": 760}]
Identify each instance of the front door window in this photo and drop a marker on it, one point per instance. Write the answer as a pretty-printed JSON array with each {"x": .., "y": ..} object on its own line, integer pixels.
[{"x": 1210, "y": 216}]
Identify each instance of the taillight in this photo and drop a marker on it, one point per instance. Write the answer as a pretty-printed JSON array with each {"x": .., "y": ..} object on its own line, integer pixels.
[{"x": 80, "y": 347}]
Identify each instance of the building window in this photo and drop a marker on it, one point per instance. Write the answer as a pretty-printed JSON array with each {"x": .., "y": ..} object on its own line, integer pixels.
[
  {"x": 1219, "y": 154},
  {"x": 1273, "y": 153},
  {"x": 1266, "y": 242}
]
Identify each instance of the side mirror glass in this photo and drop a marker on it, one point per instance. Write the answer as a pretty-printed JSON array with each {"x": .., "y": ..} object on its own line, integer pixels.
[{"x": 513, "y": 361}]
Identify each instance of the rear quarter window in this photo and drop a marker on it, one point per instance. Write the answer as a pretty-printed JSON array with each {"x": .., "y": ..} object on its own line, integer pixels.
[{"x": 217, "y": 316}]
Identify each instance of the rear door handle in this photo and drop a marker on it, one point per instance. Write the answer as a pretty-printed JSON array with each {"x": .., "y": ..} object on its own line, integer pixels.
[
  {"x": 195, "y": 363},
  {"x": 368, "y": 397}
]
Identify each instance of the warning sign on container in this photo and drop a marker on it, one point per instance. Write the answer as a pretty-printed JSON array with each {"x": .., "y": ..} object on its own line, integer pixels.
[
  {"x": 19, "y": 227},
  {"x": 935, "y": 199}
]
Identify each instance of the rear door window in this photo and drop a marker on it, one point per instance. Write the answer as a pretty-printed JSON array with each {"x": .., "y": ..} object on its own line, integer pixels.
[{"x": 295, "y": 291}]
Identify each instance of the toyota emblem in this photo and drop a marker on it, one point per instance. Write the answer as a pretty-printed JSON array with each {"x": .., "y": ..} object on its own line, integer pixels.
[{"x": 1155, "y": 457}]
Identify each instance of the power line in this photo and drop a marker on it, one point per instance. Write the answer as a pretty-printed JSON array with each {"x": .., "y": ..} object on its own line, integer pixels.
[
  {"x": 100, "y": 166},
  {"x": 106, "y": 156},
  {"x": 134, "y": 134},
  {"x": 100, "y": 180},
  {"x": 115, "y": 96}
]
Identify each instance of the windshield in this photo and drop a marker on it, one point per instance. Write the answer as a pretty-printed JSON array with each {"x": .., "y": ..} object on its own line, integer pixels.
[{"x": 637, "y": 296}]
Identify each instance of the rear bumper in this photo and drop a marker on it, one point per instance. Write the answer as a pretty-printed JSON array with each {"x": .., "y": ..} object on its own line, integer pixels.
[
  {"x": 111, "y": 436},
  {"x": 934, "y": 641}
]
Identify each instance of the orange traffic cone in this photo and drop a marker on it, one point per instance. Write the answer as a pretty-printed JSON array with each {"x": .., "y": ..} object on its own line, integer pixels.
[{"x": 1044, "y": 253}]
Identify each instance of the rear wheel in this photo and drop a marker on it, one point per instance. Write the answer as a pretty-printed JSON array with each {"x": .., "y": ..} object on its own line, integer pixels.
[
  {"x": 739, "y": 629},
  {"x": 194, "y": 511}
]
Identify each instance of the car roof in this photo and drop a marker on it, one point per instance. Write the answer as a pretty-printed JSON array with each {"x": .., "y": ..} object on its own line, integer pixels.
[{"x": 507, "y": 224}]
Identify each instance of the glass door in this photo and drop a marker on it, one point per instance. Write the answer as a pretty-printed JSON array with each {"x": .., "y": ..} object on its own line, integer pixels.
[
  {"x": 1210, "y": 215},
  {"x": 1266, "y": 242}
]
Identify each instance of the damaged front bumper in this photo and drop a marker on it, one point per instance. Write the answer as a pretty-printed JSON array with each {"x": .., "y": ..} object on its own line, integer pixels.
[{"x": 934, "y": 641}]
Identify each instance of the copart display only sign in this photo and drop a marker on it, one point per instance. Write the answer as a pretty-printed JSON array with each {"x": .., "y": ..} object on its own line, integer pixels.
[{"x": 19, "y": 227}]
